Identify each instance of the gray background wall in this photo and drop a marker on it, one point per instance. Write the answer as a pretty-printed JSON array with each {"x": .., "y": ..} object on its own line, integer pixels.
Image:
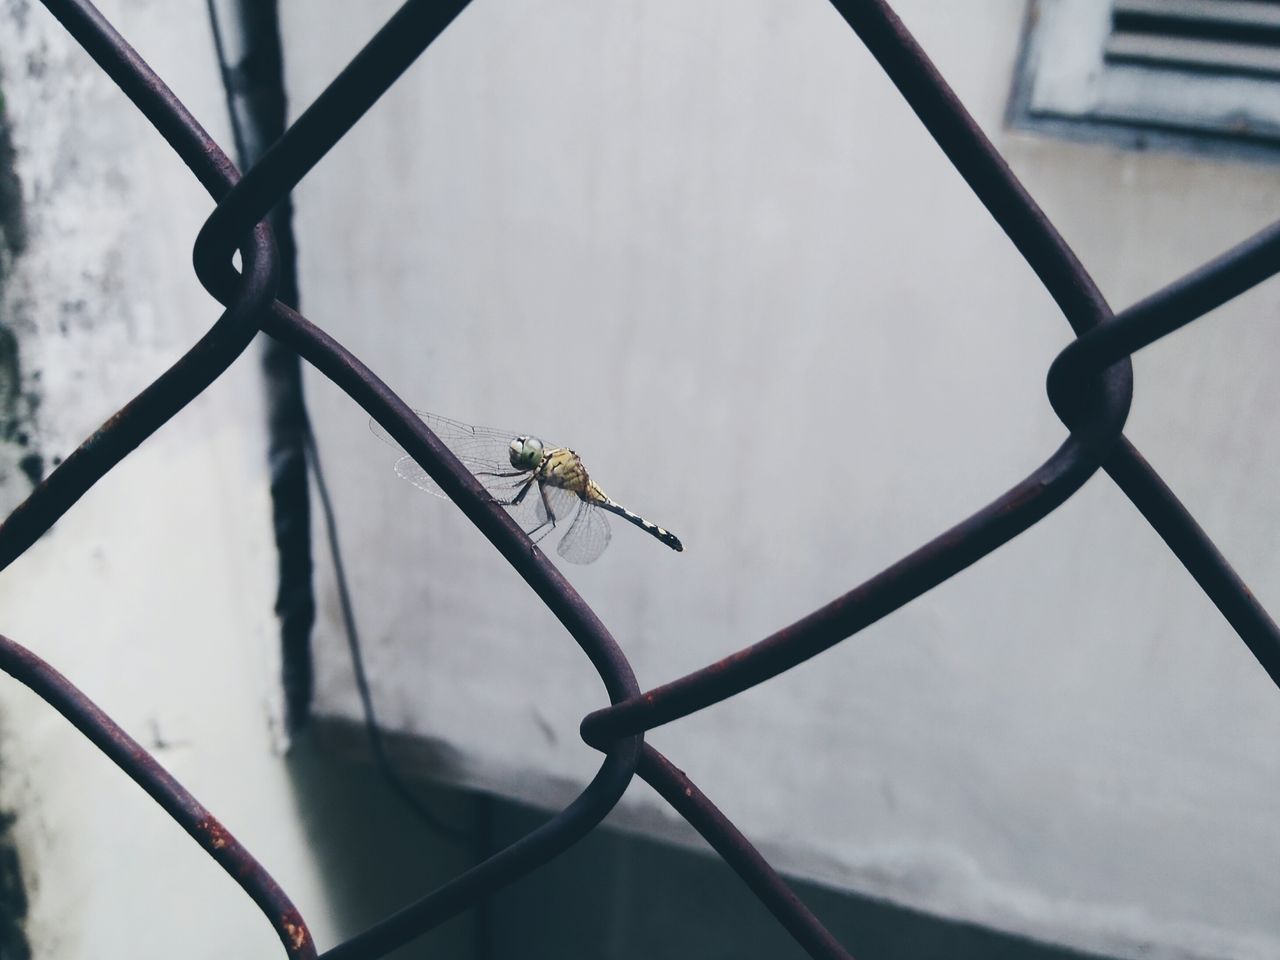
[
  {"x": 154, "y": 592},
  {"x": 709, "y": 246}
]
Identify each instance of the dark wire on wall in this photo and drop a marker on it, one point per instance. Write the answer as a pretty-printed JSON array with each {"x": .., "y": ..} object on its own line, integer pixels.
[{"x": 254, "y": 85}]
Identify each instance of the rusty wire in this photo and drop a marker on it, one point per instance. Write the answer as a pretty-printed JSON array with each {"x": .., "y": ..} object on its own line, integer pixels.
[{"x": 1090, "y": 385}]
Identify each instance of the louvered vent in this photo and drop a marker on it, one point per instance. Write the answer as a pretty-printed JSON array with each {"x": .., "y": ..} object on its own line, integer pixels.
[
  {"x": 1229, "y": 37},
  {"x": 1201, "y": 75}
]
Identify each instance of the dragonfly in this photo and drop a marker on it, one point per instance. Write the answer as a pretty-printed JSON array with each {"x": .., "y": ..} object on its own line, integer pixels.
[{"x": 543, "y": 486}]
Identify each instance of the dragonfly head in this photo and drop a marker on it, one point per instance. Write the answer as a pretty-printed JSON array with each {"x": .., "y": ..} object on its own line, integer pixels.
[{"x": 526, "y": 453}]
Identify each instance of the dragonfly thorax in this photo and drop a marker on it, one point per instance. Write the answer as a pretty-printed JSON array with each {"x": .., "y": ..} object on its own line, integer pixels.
[{"x": 526, "y": 453}]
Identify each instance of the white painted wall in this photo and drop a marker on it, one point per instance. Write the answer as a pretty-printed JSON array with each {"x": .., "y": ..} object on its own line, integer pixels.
[
  {"x": 709, "y": 245},
  {"x": 154, "y": 593}
]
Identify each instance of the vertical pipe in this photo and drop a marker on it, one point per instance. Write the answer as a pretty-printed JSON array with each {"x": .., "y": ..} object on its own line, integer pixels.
[{"x": 247, "y": 36}]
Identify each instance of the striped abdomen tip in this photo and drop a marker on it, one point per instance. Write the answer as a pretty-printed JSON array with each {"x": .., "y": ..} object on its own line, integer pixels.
[{"x": 666, "y": 536}]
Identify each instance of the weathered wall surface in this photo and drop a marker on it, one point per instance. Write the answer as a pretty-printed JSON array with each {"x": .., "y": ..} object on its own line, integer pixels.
[
  {"x": 154, "y": 592},
  {"x": 709, "y": 246}
]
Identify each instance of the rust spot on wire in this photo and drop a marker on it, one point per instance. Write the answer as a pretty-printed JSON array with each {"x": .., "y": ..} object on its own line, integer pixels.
[
  {"x": 296, "y": 931},
  {"x": 216, "y": 833}
]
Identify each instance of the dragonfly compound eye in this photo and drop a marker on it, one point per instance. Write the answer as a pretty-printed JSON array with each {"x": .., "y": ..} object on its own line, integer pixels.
[{"x": 526, "y": 452}]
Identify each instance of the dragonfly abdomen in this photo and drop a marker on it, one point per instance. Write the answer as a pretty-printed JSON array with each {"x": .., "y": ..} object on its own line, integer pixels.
[{"x": 666, "y": 536}]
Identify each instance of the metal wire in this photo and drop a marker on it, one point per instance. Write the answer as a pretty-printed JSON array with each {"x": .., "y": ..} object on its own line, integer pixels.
[{"x": 1090, "y": 385}]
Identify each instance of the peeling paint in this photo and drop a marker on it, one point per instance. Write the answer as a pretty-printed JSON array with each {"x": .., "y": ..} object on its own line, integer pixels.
[
  {"x": 13, "y": 897},
  {"x": 16, "y": 454},
  {"x": 13, "y": 231},
  {"x": 21, "y": 466}
]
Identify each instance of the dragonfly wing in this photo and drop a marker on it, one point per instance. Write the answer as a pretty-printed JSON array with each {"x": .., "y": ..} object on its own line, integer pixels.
[
  {"x": 484, "y": 451},
  {"x": 458, "y": 436},
  {"x": 530, "y": 513},
  {"x": 502, "y": 481},
  {"x": 588, "y": 536},
  {"x": 563, "y": 502},
  {"x": 409, "y": 469}
]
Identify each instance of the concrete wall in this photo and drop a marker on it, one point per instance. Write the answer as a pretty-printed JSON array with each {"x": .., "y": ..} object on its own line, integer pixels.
[
  {"x": 154, "y": 593},
  {"x": 709, "y": 246}
]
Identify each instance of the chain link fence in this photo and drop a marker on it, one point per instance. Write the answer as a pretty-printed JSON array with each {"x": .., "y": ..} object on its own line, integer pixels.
[{"x": 1090, "y": 386}]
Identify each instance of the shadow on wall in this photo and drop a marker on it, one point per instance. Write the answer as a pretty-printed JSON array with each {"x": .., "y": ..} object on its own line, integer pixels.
[
  {"x": 372, "y": 855},
  {"x": 13, "y": 897},
  {"x": 611, "y": 897},
  {"x": 621, "y": 897}
]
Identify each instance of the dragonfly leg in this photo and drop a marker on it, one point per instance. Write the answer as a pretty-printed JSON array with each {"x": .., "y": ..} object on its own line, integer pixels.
[
  {"x": 546, "y": 504},
  {"x": 519, "y": 497},
  {"x": 550, "y": 522}
]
